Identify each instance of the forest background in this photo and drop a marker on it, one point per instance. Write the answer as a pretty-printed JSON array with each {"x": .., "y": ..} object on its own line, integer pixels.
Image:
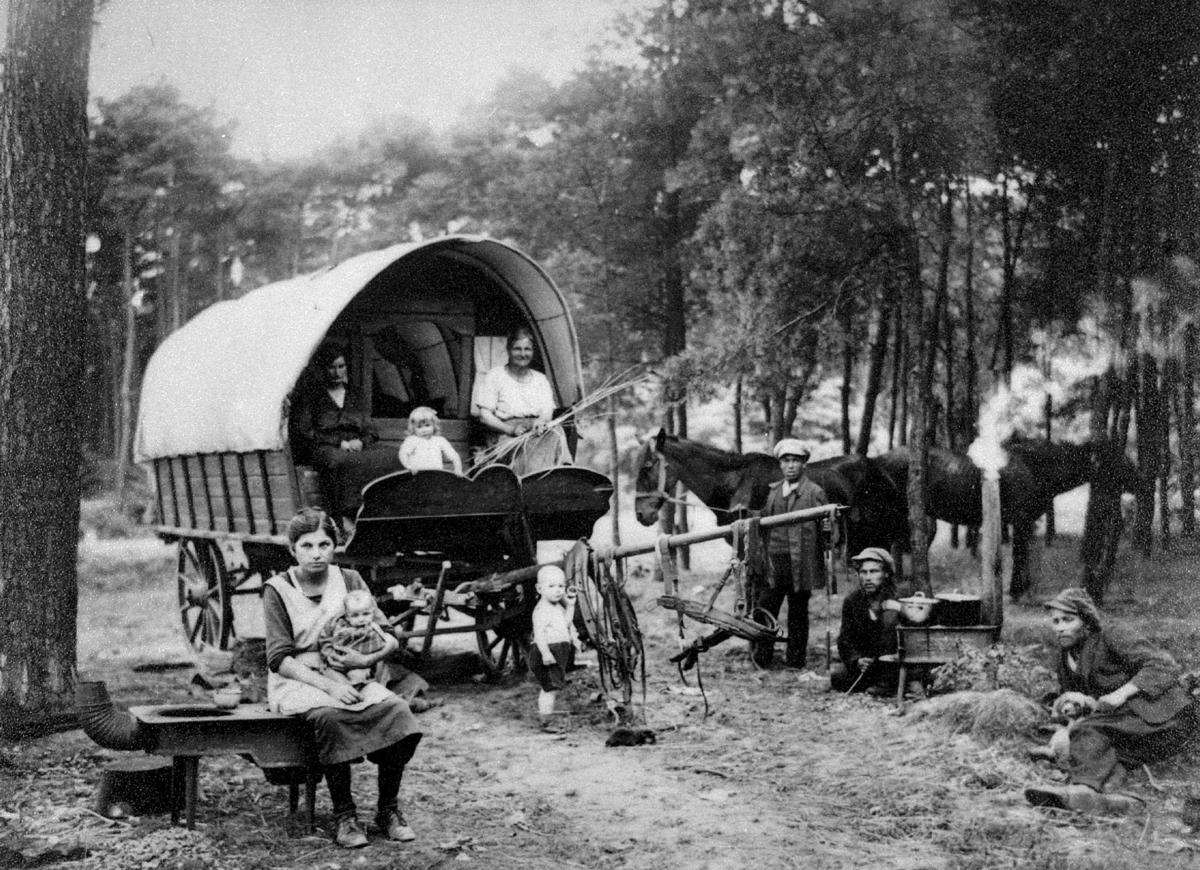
[{"x": 850, "y": 220}]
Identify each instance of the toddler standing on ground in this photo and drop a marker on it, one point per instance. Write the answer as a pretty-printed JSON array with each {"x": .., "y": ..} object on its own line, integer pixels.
[
  {"x": 356, "y": 629},
  {"x": 425, "y": 449},
  {"x": 553, "y": 649}
]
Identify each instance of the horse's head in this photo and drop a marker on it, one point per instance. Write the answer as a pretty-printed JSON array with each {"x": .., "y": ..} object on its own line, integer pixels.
[{"x": 652, "y": 483}]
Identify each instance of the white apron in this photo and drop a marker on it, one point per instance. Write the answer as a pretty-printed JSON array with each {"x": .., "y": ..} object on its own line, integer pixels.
[{"x": 288, "y": 696}]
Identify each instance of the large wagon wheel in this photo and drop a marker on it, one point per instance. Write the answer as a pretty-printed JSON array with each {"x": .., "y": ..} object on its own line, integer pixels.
[
  {"x": 205, "y": 605},
  {"x": 502, "y": 645}
]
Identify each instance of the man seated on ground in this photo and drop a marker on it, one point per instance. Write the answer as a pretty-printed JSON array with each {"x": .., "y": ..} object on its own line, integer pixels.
[{"x": 870, "y": 615}]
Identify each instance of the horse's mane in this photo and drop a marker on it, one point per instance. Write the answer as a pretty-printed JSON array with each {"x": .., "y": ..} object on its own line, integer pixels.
[{"x": 723, "y": 460}]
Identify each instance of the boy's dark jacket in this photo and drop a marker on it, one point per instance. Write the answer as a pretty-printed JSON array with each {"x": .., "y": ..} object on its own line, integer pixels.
[{"x": 803, "y": 540}]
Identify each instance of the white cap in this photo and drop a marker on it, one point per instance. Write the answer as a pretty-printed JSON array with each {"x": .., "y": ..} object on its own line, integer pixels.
[{"x": 790, "y": 447}]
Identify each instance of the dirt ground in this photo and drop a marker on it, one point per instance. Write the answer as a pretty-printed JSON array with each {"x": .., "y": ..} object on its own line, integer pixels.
[{"x": 781, "y": 773}]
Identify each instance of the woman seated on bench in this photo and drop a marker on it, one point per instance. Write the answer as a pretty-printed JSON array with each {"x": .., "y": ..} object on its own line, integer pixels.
[
  {"x": 516, "y": 403},
  {"x": 347, "y": 722},
  {"x": 331, "y": 429}
]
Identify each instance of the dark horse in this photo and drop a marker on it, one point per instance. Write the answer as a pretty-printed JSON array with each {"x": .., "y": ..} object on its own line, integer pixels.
[
  {"x": 731, "y": 482},
  {"x": 1036, "y": 472}
]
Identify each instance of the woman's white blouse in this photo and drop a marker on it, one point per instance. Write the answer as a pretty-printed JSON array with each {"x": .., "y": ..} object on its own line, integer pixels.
[{"x": 507, "y": 397}]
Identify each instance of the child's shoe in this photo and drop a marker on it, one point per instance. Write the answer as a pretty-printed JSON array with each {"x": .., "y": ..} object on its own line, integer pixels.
[{"x": 552, "y": 724}]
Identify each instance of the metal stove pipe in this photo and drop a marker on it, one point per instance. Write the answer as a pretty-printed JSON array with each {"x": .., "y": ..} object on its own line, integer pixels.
[{"x": 102, "y": 721}]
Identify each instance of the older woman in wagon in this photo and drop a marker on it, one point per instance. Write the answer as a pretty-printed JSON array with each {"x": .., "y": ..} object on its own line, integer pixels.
[
  {"x": 348, "y": 722},
  {"x": 516, "y": 402},
  {"x": 1143, "y": 713}
]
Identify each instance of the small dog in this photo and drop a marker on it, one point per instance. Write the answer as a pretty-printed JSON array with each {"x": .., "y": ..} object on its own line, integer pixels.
[{"x": 1069, "y": 708}]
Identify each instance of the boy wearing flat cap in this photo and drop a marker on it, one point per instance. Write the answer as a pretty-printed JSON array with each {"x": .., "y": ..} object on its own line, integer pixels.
[{"x": 795, "y": 553}]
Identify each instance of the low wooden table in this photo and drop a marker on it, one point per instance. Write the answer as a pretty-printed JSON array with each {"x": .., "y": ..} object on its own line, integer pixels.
[
  {"x": 935, "y": 645},
  {"x": 185, "y": 733}
]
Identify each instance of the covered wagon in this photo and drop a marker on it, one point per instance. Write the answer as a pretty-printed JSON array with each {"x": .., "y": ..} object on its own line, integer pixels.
[{"x": 417, "y": 323}]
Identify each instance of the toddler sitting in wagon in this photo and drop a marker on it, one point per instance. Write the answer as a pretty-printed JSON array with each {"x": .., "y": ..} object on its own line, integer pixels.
[
  {"x": 425, "y": 449},
  {"x": 354, "y": 629}
]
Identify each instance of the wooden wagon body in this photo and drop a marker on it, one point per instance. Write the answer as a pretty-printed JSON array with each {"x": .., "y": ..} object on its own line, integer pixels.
[{"x": 417, "y": 322}]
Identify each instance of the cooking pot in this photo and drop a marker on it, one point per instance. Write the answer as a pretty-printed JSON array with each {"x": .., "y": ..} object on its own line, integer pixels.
[
  {"x": 957, "y": 609},
  {"x": 917, "y": 608}
]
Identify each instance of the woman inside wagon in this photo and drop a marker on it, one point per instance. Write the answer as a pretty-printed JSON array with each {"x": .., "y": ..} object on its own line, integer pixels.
[
  {"x": 331, "y": 429},
  {"x": 348, "y": 722},
  {"x": 1143, "y": 713},
  {"x": 516, "y": 403}
]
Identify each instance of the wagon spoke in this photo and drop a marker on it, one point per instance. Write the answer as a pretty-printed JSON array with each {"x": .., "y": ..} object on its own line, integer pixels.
[
  {"x": 212, "y": 625},
  {"x": 195, "y": 630}
]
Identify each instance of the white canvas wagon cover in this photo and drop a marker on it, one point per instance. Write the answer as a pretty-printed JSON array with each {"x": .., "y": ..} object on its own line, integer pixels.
[{"x": 221, "y": 382}]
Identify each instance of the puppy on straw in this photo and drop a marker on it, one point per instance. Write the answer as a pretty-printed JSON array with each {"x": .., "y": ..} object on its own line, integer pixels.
[{"x": 1068, "y": 710}]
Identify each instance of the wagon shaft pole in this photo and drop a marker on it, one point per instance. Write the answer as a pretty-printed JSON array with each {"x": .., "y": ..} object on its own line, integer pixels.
[{"x": 673, "y": 541}]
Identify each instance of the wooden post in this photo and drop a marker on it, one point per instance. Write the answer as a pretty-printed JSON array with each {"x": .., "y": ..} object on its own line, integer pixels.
[{"x": 991, "y": 573}]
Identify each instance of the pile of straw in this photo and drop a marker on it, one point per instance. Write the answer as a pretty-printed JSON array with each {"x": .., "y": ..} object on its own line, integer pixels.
[{"x": 983, "y": 715}]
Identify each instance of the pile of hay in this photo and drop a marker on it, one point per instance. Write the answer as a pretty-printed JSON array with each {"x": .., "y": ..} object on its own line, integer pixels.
[
  {"x": 983, "y": 715},
  {"x": 1000, "y": 666}
]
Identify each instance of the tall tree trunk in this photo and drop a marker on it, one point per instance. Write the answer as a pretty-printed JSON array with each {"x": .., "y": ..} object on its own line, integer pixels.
[
  {"x": 906, "y": 372},
  {"x": 918, "y": 437},
  {"x": 970, "y": 410},
  {"x": 125, "y": 432},
  {"x": 1149, "y": 457},
  {"x": 681, "y": 519},
  {"x": 847, "y": 377},
  {"x": 874, "y": 378},
  {"x": 1185, "y": 421},
  {"x": 1048, "y": 413},
  {"x": 897, "y": 376},
  {"x": 43, "y": 155},
  {"x": 176, "y": 279},
  {"x": 614, "y": 463},
  {"x": 1003, "y": 349},
  {"x": 778, "y": 410},
  {"x": 737, "y": 416},
  {"x": 1163, "y": 442}
]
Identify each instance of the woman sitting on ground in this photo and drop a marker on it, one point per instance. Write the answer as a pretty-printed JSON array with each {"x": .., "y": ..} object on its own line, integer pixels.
[
  {"x": 515, "y": 399},
  {"x": 1142, "y": 714},
  {"x": 348, "y": 722}
]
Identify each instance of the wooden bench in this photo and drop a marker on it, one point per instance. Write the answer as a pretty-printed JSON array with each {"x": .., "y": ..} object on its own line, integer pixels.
[{"x": 282, "y": 746}]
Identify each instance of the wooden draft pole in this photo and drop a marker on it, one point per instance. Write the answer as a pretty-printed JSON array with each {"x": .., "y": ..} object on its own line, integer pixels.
[{"x": 673, "y": 542}]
